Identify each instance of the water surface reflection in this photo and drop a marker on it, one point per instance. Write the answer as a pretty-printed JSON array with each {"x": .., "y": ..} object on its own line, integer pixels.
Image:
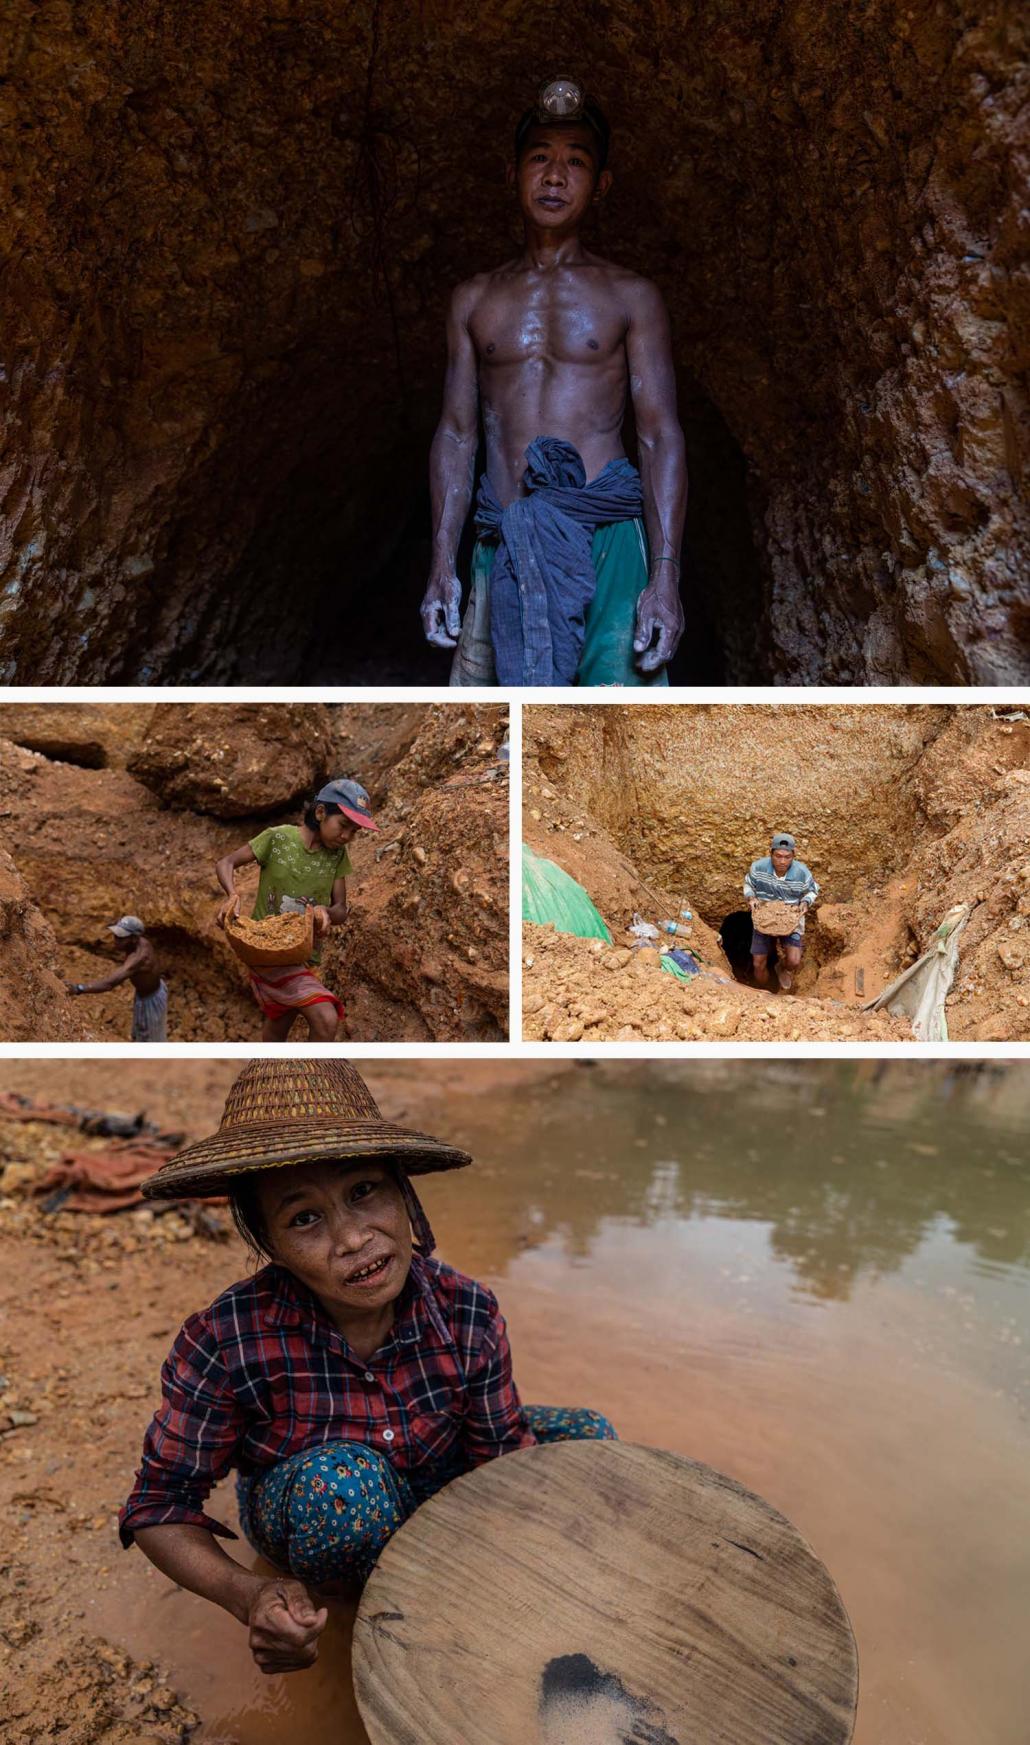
[{"x": 814, "y": 1277}]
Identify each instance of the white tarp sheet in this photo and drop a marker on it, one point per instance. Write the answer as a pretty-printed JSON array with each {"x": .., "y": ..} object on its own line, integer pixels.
[{"x": 919, "y": 993}]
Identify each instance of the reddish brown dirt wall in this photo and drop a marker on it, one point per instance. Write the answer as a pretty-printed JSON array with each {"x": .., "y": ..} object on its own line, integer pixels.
[
  {"x": 901, "y": 813},
  {"x": 423, "y": 955},
  {"x": 231, "y": 232}
]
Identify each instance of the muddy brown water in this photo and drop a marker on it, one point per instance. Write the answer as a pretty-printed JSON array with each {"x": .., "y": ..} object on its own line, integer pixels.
[{"x": 814, "y": 1277}]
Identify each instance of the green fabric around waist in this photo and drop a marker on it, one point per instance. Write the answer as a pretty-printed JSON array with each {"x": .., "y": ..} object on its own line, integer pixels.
[{"x": 619, "y": 552}]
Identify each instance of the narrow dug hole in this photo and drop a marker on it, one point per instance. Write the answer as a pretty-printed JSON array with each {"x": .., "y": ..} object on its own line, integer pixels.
[
  {"x": 422, "y": 955},
  {"x": 901, "y": 814},
  {"x": 229, "y": 252}
]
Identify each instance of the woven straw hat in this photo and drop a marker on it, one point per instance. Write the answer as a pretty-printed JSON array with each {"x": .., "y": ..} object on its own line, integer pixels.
[{"x": 295, "y": 1111}]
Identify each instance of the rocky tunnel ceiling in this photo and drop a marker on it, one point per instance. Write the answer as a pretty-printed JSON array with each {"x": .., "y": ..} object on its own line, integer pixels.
[{"x": 229, "y": 236}]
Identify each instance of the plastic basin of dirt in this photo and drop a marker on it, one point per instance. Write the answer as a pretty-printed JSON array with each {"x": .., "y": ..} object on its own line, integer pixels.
[{"x": 275, "y": 940}]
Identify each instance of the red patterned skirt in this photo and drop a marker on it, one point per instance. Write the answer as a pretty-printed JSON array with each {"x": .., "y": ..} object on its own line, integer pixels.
[{"x": 279, "y": 991}]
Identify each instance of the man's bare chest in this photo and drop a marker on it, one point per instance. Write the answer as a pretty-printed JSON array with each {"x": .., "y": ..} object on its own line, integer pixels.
[{"x": 556, "y": 325}]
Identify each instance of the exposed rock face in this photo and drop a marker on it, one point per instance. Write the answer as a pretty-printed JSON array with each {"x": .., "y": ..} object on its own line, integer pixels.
[
  {"x": 77, "y": 732},
  {"x": 901, "y": 813},
  {"x": 234, "y": 760},
  {"x": 229, "y": 246},
  {"x": 428, "y": 926},
  {"x": 693, "y": 794},
  {"x": 33, "y": 999},
  {"x": 95, "y": 844}
]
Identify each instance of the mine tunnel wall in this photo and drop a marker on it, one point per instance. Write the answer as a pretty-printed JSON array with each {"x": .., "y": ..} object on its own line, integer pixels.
[{"x": 230, "y": 241}]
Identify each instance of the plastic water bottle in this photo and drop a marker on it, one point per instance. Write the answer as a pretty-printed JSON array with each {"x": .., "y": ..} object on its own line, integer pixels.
[{"x": 682, "y": 925}]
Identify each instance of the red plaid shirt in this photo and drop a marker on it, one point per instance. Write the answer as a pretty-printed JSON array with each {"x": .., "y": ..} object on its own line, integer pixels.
[{"x": 263, "y": 1374}]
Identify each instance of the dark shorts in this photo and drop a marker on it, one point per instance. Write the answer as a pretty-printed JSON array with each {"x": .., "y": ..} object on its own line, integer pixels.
[{"x": 761, "y": 943}]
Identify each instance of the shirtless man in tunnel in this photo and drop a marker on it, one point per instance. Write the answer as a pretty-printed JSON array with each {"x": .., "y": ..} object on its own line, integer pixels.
[{"x": 565, "y": 589}]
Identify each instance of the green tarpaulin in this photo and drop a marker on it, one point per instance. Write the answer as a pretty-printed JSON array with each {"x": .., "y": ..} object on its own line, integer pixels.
[{"x": 553, "y": 899}]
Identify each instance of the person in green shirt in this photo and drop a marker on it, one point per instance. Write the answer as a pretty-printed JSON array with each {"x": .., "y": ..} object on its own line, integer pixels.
[{"x": 304, "y": 864}]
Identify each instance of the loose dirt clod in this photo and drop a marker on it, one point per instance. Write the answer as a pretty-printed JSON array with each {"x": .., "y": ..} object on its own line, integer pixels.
[
  {"x": 271, "y": 930},
  {"x": 94, "y": 1694},
  {"x": 274, "y": 939},
  {"x": 568, "y": 997}
]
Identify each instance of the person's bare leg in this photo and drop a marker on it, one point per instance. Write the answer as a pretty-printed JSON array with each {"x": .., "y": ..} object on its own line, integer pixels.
[
  {"x": 277, "y": 1029},
  {"x": 785, "y": 972},
  {"x": 321, "y": 1022},
  {"x": 760, "y": 966}
]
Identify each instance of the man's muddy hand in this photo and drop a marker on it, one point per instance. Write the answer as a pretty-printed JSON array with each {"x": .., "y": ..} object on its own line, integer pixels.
[
  {"x": 322, "y": 921},
  {"x": 231, "y": 906},
  {"x": 285, "y": 1625},
  {"x": 441, "y": 611},
  {"x": 660, "y": 623}
]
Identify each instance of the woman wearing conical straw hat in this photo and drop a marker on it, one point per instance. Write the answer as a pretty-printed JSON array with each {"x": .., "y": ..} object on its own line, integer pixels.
[{"x": 348, "y": 1380}]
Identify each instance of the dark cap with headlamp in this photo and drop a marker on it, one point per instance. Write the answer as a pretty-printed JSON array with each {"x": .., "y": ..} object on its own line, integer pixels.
[{"x": 564, "y": 100}]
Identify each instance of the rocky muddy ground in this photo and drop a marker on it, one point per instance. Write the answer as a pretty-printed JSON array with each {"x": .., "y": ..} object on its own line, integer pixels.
[
  {"x": 900, "y": 812},
  {"x": 125, "y": 808}
]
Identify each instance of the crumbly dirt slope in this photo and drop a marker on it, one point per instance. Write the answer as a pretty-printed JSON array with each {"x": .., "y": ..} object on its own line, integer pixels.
[
  {"x": 900, "y": 812},
  {"x": 428, "y": 929},
  {"x": 32, "y": 995},
  {"x": 582, "y": 990},
  {"x": 424, "y": 954}
]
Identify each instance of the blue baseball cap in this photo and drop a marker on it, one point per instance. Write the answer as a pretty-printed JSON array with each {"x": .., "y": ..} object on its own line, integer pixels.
[
  {"x": 783, "y": 839},
  {"x": 352, "y": 800}
]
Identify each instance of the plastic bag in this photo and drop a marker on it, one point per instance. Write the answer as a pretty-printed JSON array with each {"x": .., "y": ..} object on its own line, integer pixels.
[{"x": 642, "y": 929}]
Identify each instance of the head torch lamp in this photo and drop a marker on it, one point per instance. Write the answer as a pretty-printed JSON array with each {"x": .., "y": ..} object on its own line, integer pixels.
[
  {"x": 564, "y": 99},
  {"x": 560, "y": 99}
]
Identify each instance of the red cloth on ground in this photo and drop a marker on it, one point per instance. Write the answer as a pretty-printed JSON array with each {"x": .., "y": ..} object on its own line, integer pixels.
[
  {"x": 15, "y": 1110},
  {"x": 102, "y": 1181}
]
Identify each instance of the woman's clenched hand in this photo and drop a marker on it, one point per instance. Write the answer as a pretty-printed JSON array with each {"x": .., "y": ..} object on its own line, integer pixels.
[{"x": 285, "y": 1625}]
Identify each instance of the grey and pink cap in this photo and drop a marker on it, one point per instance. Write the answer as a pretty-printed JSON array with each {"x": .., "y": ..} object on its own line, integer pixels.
[{"x": 352, "y": 800}]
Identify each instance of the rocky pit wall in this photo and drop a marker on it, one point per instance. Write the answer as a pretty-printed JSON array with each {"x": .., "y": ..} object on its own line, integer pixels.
[
  {"x": 901, "y": 813},
  {"x": 231, "y": 229},
  {"x": 423, "y": 955}
]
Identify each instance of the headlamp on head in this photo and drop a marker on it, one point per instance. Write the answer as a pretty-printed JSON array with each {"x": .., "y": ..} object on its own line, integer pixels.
[
  {"x": 560, "y": 99},
  {"x": 564, "y": 99}
]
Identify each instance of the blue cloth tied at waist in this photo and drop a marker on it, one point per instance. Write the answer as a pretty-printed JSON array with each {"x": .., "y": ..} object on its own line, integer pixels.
[{"x": 543, "y": 578}]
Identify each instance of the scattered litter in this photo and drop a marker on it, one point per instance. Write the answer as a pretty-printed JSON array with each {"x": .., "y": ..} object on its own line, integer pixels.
[
  {"x": 642, "y": 929},
  {"x": 681, "y": 963}
]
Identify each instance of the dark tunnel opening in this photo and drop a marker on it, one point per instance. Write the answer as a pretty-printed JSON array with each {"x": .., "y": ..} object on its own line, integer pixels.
[
  {"x": 735, "y": 932},
  {"x": 373, "y": 635},
  {"x": 227, "y": 270}
]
